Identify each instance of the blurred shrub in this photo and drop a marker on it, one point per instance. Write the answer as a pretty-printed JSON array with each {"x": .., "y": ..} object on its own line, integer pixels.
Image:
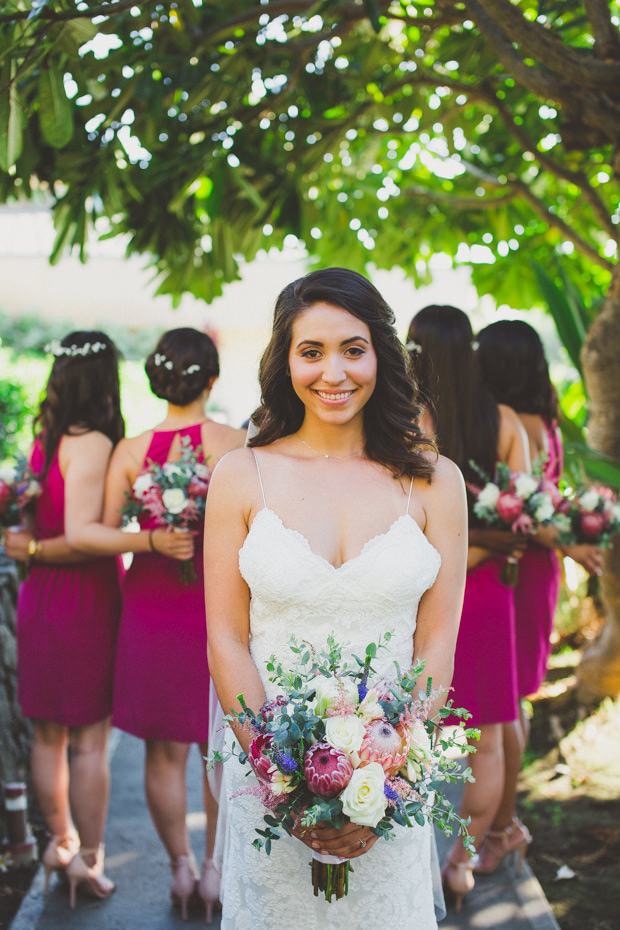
[
  {"x": 30, "y": 334},
  {"x": 15, "y": 414}
]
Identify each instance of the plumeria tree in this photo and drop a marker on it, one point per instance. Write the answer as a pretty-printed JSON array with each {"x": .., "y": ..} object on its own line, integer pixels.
[{"x": 378, "y": 132}]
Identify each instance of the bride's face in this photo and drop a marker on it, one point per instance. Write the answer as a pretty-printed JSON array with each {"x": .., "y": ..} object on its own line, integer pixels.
[{"x": 332, "y": 363}]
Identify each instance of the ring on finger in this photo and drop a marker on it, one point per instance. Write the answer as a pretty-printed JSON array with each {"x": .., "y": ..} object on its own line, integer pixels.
[{"x": 363, "y": 844}]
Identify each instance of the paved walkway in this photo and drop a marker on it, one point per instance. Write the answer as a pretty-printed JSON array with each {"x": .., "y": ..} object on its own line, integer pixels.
[{"x": 136, "y": 861}]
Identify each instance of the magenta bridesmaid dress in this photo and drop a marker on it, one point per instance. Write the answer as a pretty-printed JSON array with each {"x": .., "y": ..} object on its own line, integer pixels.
[
  {"x": 67, "y": 623},
  {"x": 536, "y": 594},
  {"x": 485, "y": 668},
  {"x": 161, "y": 688}
]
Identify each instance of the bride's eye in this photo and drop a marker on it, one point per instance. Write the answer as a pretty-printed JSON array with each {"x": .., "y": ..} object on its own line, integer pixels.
[
  {"x": 355, "y": 351},
  {"x": 310, "y": 353}
]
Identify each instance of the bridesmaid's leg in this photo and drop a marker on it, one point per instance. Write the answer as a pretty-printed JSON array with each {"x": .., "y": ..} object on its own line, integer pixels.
[
  {"x": 482, "y": 797},
  {"x": 50, "y": 775},
  {"x": 210, "y": 878},
  {"x": 211, "y": 806},
  {"x": 514, "y": 746},
  {"x": 166, "y": 793},
  {"x": 89, "y": 784}
]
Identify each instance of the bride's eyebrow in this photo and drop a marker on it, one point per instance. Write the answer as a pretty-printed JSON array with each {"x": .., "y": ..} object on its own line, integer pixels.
[{"x": 319, "y": 344}]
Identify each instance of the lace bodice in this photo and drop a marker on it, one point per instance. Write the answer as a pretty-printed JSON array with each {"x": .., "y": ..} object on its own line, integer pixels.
[{"x": 295, "y": 591}]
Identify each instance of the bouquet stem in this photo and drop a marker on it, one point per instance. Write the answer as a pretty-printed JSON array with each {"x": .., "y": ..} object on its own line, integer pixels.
[
  {"x": 187, "y": 571},
  {"x": 330, "y": 876},
  {"x": 510, "y": 573}
]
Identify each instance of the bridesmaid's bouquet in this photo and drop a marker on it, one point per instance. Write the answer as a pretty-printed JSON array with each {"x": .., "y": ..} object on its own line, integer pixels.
[
  {"x": 338, "y": 745},
  {"x": 588, "y": 515},
  {"x": 513, "y": 500},
  {"x": 18, "y": 492},
  {"x": 174, "y": 495}
]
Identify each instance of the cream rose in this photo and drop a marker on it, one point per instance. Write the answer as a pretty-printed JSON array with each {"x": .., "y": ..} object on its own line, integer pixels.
[
  {"x": 141, "y": 485},
  {"x": 543, "y": 507},
  {"x": 525, "y": 485},
  {"x": 174, "y": 500},
  {"x": 345, "y": 733},
  {"x": 201, "y": 471},
  {"x": 488, "y": 496},
  {"x": 363, "y": 800},
  {"x": 589, "y": 500}
]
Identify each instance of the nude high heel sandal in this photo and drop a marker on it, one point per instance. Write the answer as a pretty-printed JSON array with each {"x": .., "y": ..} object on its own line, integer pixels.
[
  {"x": 184, "y": 882},
  {"x": 458, "y": 880},
  {"x": 497, "y": 844},
  {"x": 81, "y": 872},
  {"x": 58, "y": 854},
  {"x": 209, "y": 888}
]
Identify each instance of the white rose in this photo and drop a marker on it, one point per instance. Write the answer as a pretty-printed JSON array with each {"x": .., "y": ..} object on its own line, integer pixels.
[
  {"x": 174, "y": 500},
  {"x": 589, "y": 500},
  {"x": 363, "y": 800},
  {"x": 141, "y": 485},
  {"x": 331, "y": 691},
  {"x": 345, "y": 733},
  {"x": 562, "y": 522},
  {"x": 7, "y": 474},
  {"x": 201, "y": 471},
  {"x": 488, "y": 496},
  {"x": 543, "y": 507},
  {"x": 370, "y": 709},
  {"x": 172, "y": 470},
  {"x": 525, "y": 485}
]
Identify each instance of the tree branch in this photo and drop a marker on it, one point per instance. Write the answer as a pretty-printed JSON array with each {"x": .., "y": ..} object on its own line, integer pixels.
[
  {"x": 104, "y": 9},
  {"x": 556, "y": 222},
  {"x": 463, "y": 203},
  {"x": 543, "y": 45},
  {"x": 606, "y": 40}
]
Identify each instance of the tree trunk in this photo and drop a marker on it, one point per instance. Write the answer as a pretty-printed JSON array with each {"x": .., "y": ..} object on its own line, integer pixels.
[{"x": 599, "y": 671}]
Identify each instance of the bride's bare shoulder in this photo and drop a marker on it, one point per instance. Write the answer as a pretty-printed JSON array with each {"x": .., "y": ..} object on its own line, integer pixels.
[{"x": 447, "y": 479}]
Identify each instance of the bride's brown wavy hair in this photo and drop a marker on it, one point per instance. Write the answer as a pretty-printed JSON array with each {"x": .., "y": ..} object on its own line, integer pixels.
[
  {"x": 392, "y": 436},
  {"x": 82, "y": 393}
]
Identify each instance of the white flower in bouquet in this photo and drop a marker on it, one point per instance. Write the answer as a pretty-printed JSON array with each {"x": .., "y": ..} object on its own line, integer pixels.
[
  {"x": 7, "y": 474},
  {"x": 345, "y": 733},
  {"x": 280, "y": 783},
  {"x": 174, "y": 500},
  {"x": 615, "y": 513},
  {"x": 363, "y": 800},
  {"x": 525, "y": 485},
  {"x": 202, "y": 472},
  {"x": 487, "y": 498},
  {"x": 332, "y": 693},
  {"x": 562, "y": 522},
  {"x": 370, "y": 709},
  {"x": 176, "y": 470},
  {"x": 589, "y": 500},
  {"x": 32, "y": 489},
  {"x": 142, "y": 484},
  {"x": 543, "y": 507}
]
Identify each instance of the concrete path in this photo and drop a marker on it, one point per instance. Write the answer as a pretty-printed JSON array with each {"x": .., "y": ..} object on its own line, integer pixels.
[{"x": 136, "y": 860}]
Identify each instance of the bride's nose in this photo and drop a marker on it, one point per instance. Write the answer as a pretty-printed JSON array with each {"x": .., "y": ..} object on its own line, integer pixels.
[{"x": 334, "y": 370}]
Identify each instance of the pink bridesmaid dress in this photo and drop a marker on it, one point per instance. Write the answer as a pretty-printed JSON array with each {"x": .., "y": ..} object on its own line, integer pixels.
[
  {"x": 67, "y": 623},
  {"x": 536, "y": 594},
  {"x": 161, "y": 688}
]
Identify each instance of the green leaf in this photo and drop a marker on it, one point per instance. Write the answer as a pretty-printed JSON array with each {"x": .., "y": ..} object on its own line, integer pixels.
[
  {"x": 11, "y": 116},
  {"x": 55, "y": 113},
  {"x": 569, "y": 317}
]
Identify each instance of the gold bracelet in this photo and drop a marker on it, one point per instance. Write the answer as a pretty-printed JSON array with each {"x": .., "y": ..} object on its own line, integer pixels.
[{"x": 35, "y": 547}]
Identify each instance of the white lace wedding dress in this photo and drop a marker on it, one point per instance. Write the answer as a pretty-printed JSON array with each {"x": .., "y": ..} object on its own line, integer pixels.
[{"x": 296, "y": 591}]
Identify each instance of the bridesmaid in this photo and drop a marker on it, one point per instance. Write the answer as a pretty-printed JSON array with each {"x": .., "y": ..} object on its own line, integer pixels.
[
  {"x": 69, "y": 607},
  {"x": 161, "y": 687},
  {"x": 469, "y": 426},
  {"x": 514, "y": 368}
]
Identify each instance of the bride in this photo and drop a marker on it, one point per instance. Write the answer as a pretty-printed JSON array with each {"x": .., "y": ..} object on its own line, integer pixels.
[{"x": 339, "y": 518}]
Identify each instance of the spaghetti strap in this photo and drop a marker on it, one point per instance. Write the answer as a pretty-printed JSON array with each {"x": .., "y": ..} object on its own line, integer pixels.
[
  {"x": 260, "y": 480},
  {"x": 409, "y": 498}
]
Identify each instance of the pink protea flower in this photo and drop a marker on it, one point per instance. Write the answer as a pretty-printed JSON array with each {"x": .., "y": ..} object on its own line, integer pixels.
[
  {"x": 261, "y": 763},
  {"x": 269, "y": 708},
  {"x": 509, "y": 506},
  {"x": 384, "y": 744},
  {"x": 198, "y": 487},
  {"x": 592, "y": 524},
  {"x": 328, "y": 770}
]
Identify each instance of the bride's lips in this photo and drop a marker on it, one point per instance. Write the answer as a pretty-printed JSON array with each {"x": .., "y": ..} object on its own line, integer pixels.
[{"x": 333, "y": 398}]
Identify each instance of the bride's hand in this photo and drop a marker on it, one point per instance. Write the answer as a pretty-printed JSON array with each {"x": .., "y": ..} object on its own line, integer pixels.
[{"x": 347, "y": 842}]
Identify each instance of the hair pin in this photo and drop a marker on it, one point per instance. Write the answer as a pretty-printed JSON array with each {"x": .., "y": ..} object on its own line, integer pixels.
[
  {"x": 160, "y": 360},
  {"x": 191, "y": 370},
  {"x": 413, "y": 347}
]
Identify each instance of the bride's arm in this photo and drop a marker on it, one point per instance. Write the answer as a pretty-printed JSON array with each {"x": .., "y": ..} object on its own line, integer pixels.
[
  {"x": 227, "y": 596},
  {"x": 439, "y": 612}
]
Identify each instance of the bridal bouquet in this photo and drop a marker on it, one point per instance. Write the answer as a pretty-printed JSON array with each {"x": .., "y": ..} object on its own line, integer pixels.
[
  {"x": 18, "y": 491},
  {"x": 588, "y": 515},
  {"x": 173, "y": 495},
  {"x": 517, "y": 501},
  {"x": 338, "y": 745}
]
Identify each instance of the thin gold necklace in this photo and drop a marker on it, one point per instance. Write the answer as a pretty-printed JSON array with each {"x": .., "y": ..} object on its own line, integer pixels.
[{"x": 327, "y": 455}]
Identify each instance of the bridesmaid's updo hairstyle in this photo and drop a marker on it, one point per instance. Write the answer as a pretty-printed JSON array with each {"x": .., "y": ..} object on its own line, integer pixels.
[
  {"x": 182, "y": 365},
  {"x": 514, "y": 368},
  {"x": 82, "y": 392},
  {"x": 392, "y": 437}
]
